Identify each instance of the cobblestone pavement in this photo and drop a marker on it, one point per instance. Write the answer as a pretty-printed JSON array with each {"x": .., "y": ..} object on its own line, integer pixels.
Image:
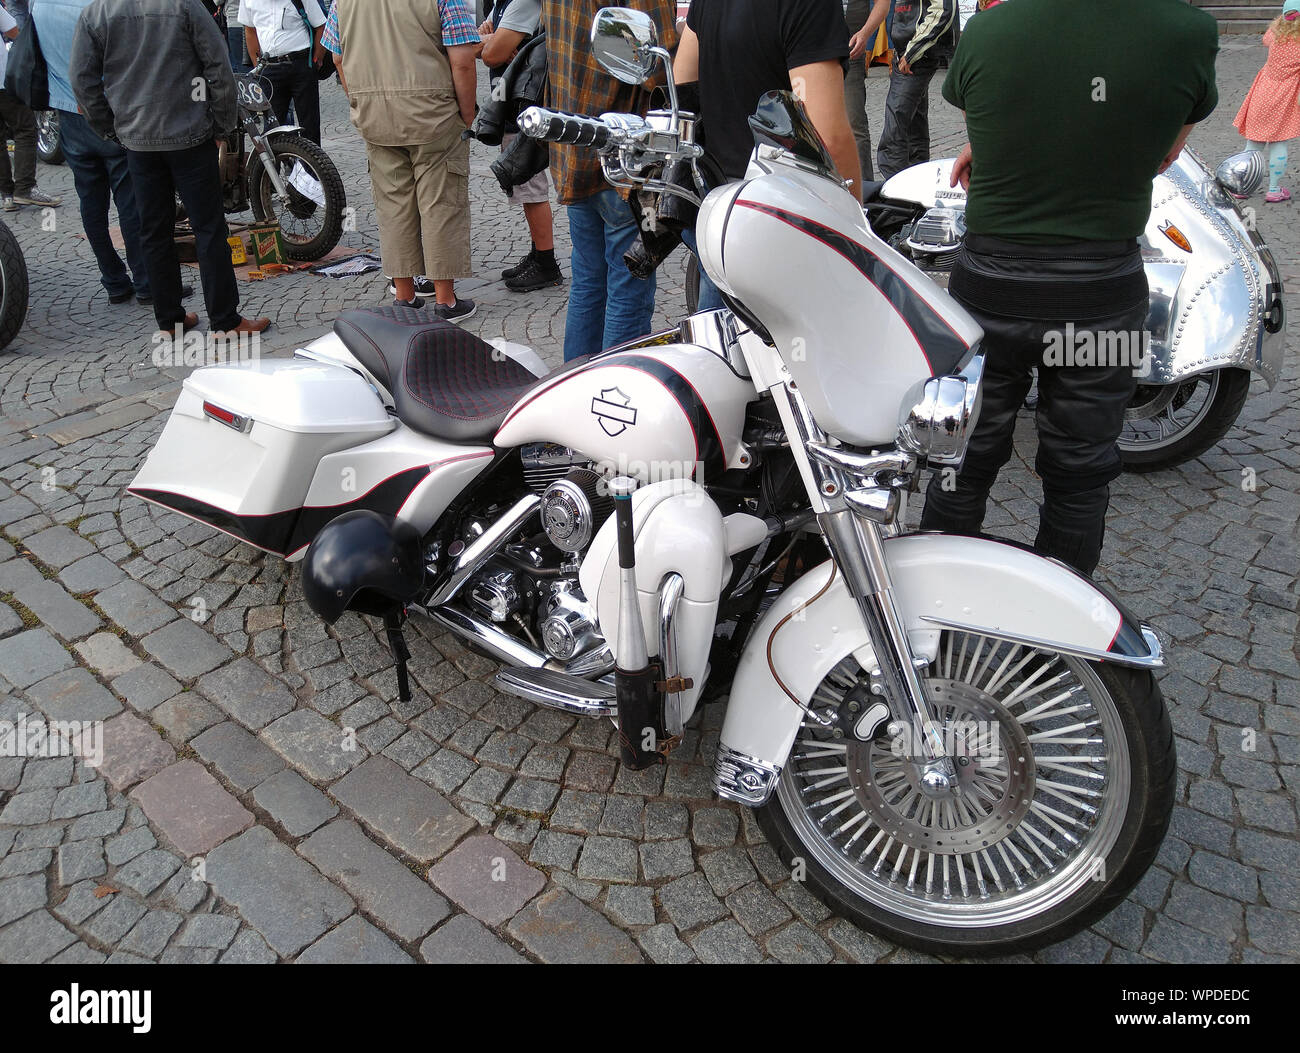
[{"x": 229, "y": 823}]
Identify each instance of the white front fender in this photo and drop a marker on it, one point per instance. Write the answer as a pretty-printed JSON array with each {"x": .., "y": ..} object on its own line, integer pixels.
[{"x": 940, "y": 581}]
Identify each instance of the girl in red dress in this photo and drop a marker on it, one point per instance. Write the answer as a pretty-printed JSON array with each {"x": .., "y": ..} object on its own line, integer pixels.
[{"x": 1271, "y": 113}]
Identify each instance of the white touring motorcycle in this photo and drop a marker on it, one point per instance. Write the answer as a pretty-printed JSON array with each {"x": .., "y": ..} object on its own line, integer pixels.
[
  {"x": 1216, "y": 314},
  {"x": 960, "y": 742}
]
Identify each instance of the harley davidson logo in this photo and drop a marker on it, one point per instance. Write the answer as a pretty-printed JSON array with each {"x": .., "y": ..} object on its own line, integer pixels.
[{"x": 614, "y": 410}]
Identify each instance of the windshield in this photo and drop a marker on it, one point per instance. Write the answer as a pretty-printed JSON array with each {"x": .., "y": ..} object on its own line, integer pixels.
[{"x": 781, "y": 121}]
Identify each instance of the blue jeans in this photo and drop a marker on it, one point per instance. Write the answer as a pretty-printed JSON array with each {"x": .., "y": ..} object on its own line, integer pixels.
[
  {"x": 238, "y": 49},
  {"x": 606, "y": 304},
  {"x": 99, "y": 168},
  {"x": 710, "y": 295}
]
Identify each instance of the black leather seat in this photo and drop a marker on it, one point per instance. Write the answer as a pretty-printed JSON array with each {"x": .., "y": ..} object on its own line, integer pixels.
[{"x": 445, "y": 381}]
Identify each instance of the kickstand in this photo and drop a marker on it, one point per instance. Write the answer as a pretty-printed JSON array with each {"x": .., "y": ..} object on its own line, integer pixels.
[{"x": 401, "y": 653}]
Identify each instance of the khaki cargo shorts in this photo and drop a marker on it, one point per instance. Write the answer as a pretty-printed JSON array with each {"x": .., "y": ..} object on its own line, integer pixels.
[{"x": 422, "y": 205}]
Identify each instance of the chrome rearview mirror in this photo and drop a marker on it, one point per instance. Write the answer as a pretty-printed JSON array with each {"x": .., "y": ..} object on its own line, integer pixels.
[{"x": 624, "y": 41}]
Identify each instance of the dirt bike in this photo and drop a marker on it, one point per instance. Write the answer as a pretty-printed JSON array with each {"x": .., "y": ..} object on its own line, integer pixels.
[
  {"x": 282, "y": 175},
  {"x": 960, "y": 741}
]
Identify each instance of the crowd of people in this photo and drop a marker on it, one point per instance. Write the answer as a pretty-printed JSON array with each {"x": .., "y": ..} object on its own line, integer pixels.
[{"x": 1054, "y": 212}]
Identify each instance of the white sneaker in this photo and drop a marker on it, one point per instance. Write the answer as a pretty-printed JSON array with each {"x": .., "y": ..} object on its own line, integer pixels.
[{"x": 423, "y": 286}]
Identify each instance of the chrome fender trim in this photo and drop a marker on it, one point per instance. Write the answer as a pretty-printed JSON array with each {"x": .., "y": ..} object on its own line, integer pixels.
[{"x": 996, "y": 588}]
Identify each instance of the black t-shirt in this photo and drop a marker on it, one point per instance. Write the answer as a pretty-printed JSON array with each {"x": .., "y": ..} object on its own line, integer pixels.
[{"x": 747, "y": 48}]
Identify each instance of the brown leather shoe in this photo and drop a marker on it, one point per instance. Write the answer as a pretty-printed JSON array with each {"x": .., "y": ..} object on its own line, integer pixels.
[
  {"x": 190, "y": 321},
  {"x": 249, "y": 325}
]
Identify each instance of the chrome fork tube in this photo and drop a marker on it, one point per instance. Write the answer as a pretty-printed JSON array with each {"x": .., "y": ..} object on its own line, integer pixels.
[{"x": 855, "y": 544}]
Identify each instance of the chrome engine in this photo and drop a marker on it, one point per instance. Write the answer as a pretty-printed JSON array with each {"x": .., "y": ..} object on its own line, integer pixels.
[{"x": 530, "y": 587}]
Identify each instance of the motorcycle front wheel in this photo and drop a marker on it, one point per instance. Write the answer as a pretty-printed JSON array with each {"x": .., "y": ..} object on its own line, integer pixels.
[
  {"x": 49, "y": 147},
  {"x": 1066, "y": 769},
  {"x": 1168, "y": 425},
  {"x": 311, "y": 222}
]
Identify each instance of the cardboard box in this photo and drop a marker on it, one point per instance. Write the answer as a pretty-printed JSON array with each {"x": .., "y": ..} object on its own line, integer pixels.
[{"x": 267, "y": 244}]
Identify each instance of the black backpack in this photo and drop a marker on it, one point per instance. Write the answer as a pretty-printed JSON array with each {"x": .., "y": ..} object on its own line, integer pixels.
[{"x": 27, "y": 77}]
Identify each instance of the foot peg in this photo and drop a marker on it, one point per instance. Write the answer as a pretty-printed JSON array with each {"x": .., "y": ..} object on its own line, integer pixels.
[{"x": 556, "y": 690}]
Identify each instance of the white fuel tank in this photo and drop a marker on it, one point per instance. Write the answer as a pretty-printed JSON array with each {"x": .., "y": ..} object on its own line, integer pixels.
[{"x": 858, "y": 326}]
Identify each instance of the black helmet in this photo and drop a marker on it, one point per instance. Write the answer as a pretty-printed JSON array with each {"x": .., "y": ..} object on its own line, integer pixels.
[{"x": 362, "y": 561}]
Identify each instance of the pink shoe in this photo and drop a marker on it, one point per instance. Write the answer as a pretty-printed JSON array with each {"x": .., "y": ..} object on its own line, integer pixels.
[{"x": 1274, "y": 196}]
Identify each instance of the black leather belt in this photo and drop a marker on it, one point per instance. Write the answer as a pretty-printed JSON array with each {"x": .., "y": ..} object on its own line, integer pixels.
[{"x": 272, "y": 60}]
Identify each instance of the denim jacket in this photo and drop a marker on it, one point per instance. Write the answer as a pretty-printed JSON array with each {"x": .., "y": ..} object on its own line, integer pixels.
[{"x": 155, "y": 74}]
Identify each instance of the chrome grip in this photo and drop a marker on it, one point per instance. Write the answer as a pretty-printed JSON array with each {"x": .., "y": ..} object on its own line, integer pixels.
[{"x": 553, "y": 126}]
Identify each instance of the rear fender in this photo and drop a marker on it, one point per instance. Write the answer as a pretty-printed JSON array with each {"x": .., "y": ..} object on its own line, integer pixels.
[{"x": 940, "y": 581}]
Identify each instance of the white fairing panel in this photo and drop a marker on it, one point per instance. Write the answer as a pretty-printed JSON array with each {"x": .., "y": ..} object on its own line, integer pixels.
[
  {"x": 654, "y": 413},
  {"x": 857, "y": 325},
  {"x": 678, "y": 530},
  {"x": 994, "y": 586},
  {"x": 925, "y": 184}
]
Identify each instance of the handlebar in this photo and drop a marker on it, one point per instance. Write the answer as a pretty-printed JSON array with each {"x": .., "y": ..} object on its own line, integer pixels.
[{"x": 554, "y": 126}]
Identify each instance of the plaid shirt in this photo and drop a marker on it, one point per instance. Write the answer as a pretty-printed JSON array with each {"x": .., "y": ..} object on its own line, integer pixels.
[
  {"x": 455, "y": 15},
  {"x": 578, "y": 84}
]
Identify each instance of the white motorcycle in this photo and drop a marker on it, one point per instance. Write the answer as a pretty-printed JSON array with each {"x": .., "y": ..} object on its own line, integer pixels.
[{"x": 958, "y": 742}]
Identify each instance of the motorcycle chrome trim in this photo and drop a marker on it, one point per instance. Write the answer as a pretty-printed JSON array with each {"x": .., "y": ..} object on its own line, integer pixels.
[
  {"x": 720, "y": 333},
  {"x": 863, "y": 466},
  {"x": 746, "y": 780},
  {"x": 483, "y": 548},
  {"x": 1153, "y": 659},
  {"x": 592, "y": 665},
  {"x": 670, "y": 595},
  {"x": 938, "y": 428},
  {"x": 556, "y": 690},
  {"x": 499, "y": 644}
]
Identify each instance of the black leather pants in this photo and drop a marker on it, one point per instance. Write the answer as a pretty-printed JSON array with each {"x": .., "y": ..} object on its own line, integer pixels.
[{"x": 1080, "y": 414}]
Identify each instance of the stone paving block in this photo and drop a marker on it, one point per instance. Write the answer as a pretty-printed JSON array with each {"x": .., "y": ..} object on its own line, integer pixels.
[
  {"x": 44, "y": 773},
  {"x": 31, "y": 656},
  {"x": 554, "y": 849},
  {"x": 664, "y": 947},
  {"x": 312, "y": 744},
  {"x": 97, "y": 824},
  {"x": 798, "y": 945},
  {"x": 80, "y": 799},
  {"x": 281, "y": 895},
  {"x": 79, "y": 860},
  {"x": 578, "y": 811},
  {"x": 294, "y": 803},
  {"x": 186, "y": 649},
  {"x": 631, "y": 905},
  {"x": 559, "y": 928},
  {"x": 134, "y": 608},
  {"x": 382, "y": 886},
  {"x": 58, "y": 546},
  {"x": 115, "y": 919},
  {"x": 20, "y": 896},
  {"x": 208, "y": 930},
  {"x": 608, "y": 859},
  {"x": 50, "y": 602},
  {"x": 186, "y": 716},
  {"x": 91, "y": 573},
  {"x": 248, "y": 693},
  {"x": 248, "y": 949},
  {"x": 107, "y": 655},
  {"x": 666, "y": 859},
  {"x": 74, "y": 695},
  {"x": 32, "y": 861},
  {"x": 145, "y": 687},
  {"x": 191, "y": 808},
  {"x": 147, "y": 872},
  {"x": 1170, "y": 941},
  {"x": 242, "y": 759},
  {"x": 129, "y": 844},
  {"x": 727, "y": 870},
  {"x": 133, "y": 751},
  {"x": 355, "y": 942},
  {"x": 855, "y": 944},
  {"x": 757, "y": 909},
  {"x": 726, "y": 943},
  {"x": 690, "y": 902},
  {"x": 148, "y": 937},
  {"x": 28, "y": 809},
  {"x": 79, "y": 954},
  {"x": 401, "y": 809},
  {"x": 34, "y": 939},
  {"x": 464, "y": 941},
  {"x": 487, "y": 879}
]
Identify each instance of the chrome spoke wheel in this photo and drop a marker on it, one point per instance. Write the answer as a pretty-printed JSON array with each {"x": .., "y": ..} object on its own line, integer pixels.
[
  {"x": 1044, "y": 777},
  {"x": 1159, "y": 416}
]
